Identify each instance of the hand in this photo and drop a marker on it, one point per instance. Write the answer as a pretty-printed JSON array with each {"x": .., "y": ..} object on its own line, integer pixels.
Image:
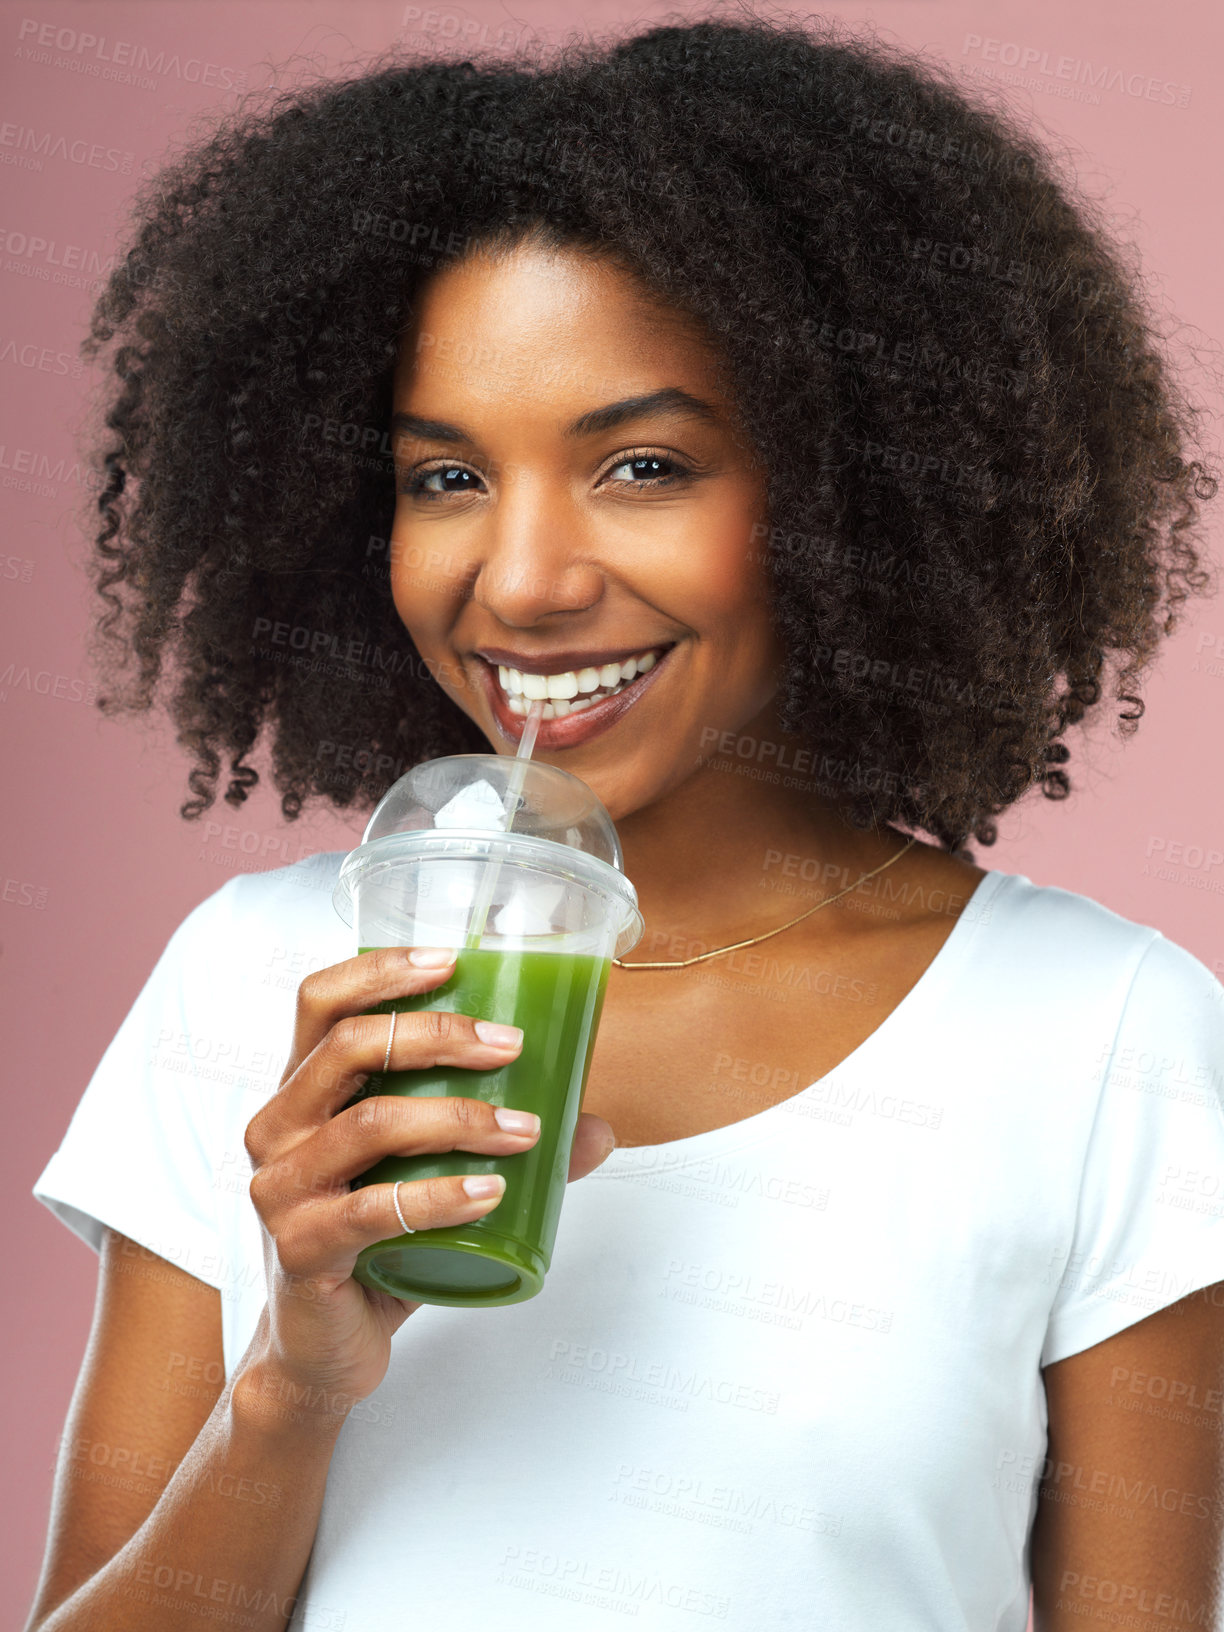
[{"x": 324, "y": 1332}]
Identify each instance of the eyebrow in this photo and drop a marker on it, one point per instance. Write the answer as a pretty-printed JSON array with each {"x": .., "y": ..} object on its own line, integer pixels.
[{"x": 670, "y": 399}]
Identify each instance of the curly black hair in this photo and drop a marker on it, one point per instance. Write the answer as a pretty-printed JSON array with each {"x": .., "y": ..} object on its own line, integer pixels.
[{"x": 978, "y": 476}]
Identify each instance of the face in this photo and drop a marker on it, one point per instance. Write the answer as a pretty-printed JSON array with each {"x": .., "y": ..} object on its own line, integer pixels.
[{"x": 575, "y": 518}]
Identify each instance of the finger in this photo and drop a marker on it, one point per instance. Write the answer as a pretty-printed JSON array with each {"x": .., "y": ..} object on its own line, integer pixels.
[
  {"x": 594, "y": 1142},
  {"x": 321, "y": 1240},
  {"x": 359, "y": 983},
  {"x": 355, "y": 1046},
  {"x": 384, "y": 1125}
]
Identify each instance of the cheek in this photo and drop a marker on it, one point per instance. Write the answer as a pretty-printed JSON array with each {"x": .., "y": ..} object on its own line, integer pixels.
[
  {"x": 731, "y": 593},
  {"x": 732, "y": 547},
  {"x": 423, "y": 583},
  {"x": 735, "y": 583},
  {"x": 427, "y": 593},
  {"x": 739, "y": 615}
]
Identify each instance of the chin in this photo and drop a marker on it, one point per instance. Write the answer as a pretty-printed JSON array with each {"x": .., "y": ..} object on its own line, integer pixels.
[{"x": 624, "y": 796}]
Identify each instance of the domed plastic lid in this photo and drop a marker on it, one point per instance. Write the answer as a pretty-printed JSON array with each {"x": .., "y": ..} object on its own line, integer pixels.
[
  {"x": 499, "y": 807},
  {"x": 472, "y": 793}
]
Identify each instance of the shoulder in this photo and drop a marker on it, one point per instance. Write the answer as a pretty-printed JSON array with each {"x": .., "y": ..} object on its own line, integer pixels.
[
  {"x": 1014, "y": 920},
  {"x": 249, "y": 902},
  {"x": 1088, "y": 926},
  {"x": 1064, "y": 931},
  {"x": 300, "y": 893},
  {"x": 271, "y": 921},
  {"x": 222, "y": 1002},
  {"x": 1074, "y": 968},
  {"x": 935, "y": 886}
]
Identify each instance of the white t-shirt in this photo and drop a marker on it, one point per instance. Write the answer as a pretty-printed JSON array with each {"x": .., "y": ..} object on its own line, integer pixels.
[{"x": 782, "y": 1374}]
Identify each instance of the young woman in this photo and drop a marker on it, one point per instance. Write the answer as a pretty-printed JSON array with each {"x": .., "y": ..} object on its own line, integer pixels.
[{"x": 753, "y": 361}]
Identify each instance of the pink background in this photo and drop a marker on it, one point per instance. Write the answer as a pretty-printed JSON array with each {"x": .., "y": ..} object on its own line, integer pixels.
[{"x": 98, "y": 869}]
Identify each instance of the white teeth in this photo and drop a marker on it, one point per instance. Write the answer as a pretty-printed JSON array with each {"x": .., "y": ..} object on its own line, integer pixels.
[
  {"x": 573, "y": 691},
  {"x": 552, "y": 710}
]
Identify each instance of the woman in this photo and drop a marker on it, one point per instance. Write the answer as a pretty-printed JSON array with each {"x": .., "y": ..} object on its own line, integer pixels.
[{"x": 752, "y": 360}]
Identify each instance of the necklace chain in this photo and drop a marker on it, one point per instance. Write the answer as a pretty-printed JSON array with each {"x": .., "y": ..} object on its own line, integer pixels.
[{"x": 718, "y": 951}]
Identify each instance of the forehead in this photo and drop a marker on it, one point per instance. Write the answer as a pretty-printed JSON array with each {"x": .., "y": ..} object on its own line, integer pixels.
[{"x": 558, "y": 321}]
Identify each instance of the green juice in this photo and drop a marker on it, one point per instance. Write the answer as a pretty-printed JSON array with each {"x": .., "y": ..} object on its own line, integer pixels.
[{"x": 503, "y": 1257}]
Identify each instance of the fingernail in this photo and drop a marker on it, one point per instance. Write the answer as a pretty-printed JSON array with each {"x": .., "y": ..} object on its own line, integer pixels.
[
  {"x": 499, "y": 1036},
  {"x": 516, "y": 1121},
  {"x": 484, "y": 1184},
  {"x": 431, "y": 957}
]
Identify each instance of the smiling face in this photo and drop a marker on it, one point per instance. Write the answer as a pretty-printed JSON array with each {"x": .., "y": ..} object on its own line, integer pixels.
[{"x": 572, "y": 494}]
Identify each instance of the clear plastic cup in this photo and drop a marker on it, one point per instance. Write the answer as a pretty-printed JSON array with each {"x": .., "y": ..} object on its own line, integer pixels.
[{"x": 536, "y": 913}]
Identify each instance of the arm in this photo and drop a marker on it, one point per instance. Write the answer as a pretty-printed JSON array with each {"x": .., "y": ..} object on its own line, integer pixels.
[
  {"x": 1130, "y": 1516},
  {"x": 164, "y": 1467},
  {"x": 235, "y": 1524}
]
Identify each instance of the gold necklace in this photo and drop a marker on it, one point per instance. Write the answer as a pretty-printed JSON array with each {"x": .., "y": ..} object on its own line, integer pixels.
[{"x": 683, "y": 963}]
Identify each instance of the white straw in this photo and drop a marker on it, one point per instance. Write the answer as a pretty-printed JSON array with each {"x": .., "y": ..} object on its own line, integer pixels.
[
  {"x": 514, "y": 786},
  {"x": 530, "y": 732}
]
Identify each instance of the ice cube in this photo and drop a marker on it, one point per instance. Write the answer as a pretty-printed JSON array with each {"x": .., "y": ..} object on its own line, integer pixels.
[
  {"x": 479, "y": 805},
  {"x": 530, "y": 910}
]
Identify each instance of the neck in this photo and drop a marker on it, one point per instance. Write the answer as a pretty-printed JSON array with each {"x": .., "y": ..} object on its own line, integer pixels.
[{"x": 729, "y": 853}]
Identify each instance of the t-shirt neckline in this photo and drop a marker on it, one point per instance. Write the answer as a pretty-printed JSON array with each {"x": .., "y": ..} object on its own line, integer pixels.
[{"x": 750, "y": 1130}]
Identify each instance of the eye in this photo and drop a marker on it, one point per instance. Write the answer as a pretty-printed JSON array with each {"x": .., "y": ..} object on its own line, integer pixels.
[
  {"x": 649, "y": 466},
  {"x": 414, "y": 484},
  {"x": 651, "y": 470}
]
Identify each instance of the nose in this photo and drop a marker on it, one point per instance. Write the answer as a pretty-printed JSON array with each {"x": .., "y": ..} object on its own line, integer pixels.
[{"x": 536, "y": 557}]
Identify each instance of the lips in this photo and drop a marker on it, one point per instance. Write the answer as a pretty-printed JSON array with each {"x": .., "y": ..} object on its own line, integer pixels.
[{"x": 574, "y": 728}]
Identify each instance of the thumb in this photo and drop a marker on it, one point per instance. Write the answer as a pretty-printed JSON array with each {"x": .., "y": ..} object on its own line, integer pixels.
[{"x": 594, "y": 1142}]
